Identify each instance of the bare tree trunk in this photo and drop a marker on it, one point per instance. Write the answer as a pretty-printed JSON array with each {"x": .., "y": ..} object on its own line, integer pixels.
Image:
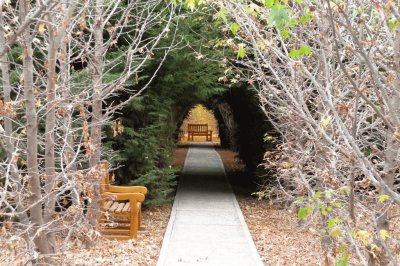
[
  {"x": 97, "y": 76},
  {"x": 50, "y": 128},
  {"x": 8, "y": 127},
  {"x": 96, "y": 120},
  {"x": 32, "y": 132}
]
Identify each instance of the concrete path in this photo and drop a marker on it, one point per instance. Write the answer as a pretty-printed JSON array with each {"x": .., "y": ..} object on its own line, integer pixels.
[{"x": 206, "y": 225}]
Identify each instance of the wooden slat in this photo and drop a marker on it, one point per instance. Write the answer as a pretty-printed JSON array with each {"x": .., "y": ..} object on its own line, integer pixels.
[
  {"x": 108, "y": 204},
  {"x": 120, "y": 207},
  {"x": 197, "y": 128},
  {"x": 114, "y": 206},
  {"x": 127, "y": 207}
]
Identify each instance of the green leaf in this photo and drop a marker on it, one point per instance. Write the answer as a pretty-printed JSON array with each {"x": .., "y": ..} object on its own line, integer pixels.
[
  {"x": 344, "y": 190},
  {"x": 285, "y": 33},
  {"x": 334, "y": 221},
  {"x": 302, "y": 51},
  {"x": 269, "y": 3},
  {"x": 382, "y": 198},
  {"x": 299, "y": 199},
  {"x": 234, "y": 28},
  {"x": 384, "y": 234},
  {"x": 303, "y": 212},
  {"x": 343, "y": 260},
  {"x": 241, "y": 51},
  {"x": 393, "y": 23},
  {"x": 191, "y": 4},
  {"x": 222, "y": 15},
  {"x": 317, "y": 195},
  {"x": 279, "y": 16},
  {"x": 305, "y": 18},
  {"x": 337, "y": 204}
]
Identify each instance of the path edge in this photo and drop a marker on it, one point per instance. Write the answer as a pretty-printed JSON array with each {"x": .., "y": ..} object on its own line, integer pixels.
[
  {"x": 249, "y": 238},
  {"x": 170, "y": 226}
]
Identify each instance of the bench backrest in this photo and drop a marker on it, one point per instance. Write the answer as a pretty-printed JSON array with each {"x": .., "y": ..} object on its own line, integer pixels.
[
  {"x": 104, "y": 178},
  {"x": 197, "y": 127}
]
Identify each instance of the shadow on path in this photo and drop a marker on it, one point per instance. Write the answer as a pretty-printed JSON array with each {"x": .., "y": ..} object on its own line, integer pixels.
[{"x": 206, "y": 225}]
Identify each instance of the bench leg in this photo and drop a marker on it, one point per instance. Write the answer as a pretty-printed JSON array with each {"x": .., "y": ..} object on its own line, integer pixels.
[
  {"x": 140, "y": 228},
  {"x": 134, "y": 226}
]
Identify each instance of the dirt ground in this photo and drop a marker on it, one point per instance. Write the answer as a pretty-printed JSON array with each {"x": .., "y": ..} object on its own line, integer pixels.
[
  {"x": 275, "y": 230},
  {"x": 141, "y": 251}
]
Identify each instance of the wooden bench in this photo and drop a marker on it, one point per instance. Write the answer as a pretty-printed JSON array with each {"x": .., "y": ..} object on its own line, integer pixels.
[
  {"x": 199, "y": 130},
  {"x": 120, "y": 208}
]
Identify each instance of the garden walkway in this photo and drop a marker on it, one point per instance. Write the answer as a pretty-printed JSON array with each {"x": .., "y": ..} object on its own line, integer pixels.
[{"x": 206, "y": 225}]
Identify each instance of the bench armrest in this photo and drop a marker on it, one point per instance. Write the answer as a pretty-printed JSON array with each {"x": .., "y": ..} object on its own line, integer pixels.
[
  {"x": 128, "y": 189},
  {"x": 124, "y": 196}
]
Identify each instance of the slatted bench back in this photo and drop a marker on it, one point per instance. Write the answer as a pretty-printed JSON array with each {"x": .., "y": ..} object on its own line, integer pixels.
[{"x": 200, "y": 128}]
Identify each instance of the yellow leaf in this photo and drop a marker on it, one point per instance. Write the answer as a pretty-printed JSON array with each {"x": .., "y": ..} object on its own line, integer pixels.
[
  {"x": 191, "y": 4},
  {"x": 261, "y": 44},
  {"x": 287, "y": 165},
  {"x": 325, "y": 121},
  {"x": 42, "y": 27},
  {"x": 384, "y": 234},
  {"x": 335, "y": 233},
  {"x": 363, "y": 236}
]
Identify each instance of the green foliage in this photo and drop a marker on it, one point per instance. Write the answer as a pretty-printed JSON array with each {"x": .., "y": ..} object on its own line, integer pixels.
[
  {"x": 305, "y": 18},
  {"x": 119, "y": 61},
  {"x": 344, "y": 260},
  {"x": 279, "y": 16},
  {"x": 303, "y": 212},
  {"x": 234, "y": 28},
  {"x": 222, "y": 15},
  {"x": 382, "y": 198},
  {"x": 332, "y": 222},
  {"x": 161, "y": 184},
  {"x": 145, "y": 148},
  {"x": 393, "y": 23},
  {"x": 269, "y": 3},
  {"x": 302, "y": 51},
  {"x": 241, "y": 52}
]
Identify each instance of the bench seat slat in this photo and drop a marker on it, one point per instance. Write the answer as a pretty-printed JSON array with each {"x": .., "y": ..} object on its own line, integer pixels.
[
  {"x": 108, "y": 204},
  {"x": 120, "y": 207},
  {"x": 114, "y": 206}
]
